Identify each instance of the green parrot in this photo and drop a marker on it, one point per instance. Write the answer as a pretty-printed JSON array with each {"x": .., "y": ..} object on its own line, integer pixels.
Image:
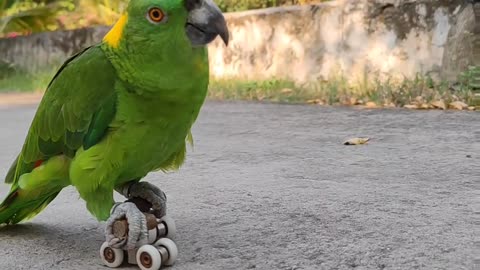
[{"x": 117, "y": 111}]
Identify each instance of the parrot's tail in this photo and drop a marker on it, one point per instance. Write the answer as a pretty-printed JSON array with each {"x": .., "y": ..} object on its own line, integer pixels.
[
  {"x": 21, "y": 205},
  {"x": 33, "y": 191}
]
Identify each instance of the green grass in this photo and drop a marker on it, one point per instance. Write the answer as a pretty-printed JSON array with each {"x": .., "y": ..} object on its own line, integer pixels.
[
  {"x": 271, "y": 90},
  {"x": 338, "y": 91},
  {"x": 24, "y": 82},
  {"x": 420, "y": 90}
]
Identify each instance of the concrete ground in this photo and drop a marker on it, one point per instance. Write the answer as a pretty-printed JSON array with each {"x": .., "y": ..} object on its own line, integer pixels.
[{"x": 272, "y": 187}]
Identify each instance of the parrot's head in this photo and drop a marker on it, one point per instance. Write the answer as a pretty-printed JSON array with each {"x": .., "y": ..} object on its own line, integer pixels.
[
  {"x": 160, "y": 45},
  {"x": 156, "y": 23}
]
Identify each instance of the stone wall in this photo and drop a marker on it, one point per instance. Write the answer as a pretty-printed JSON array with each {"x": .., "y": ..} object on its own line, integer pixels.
[
  {"x": 462, "y": 48},
  {"x": 377, "y": 38},
  {"x": 44, "y": 50},
  {"x": 355, "y": 38}
]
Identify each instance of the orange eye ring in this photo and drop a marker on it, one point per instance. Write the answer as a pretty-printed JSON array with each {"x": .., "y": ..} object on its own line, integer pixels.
[{"x": 156, "y": 15}]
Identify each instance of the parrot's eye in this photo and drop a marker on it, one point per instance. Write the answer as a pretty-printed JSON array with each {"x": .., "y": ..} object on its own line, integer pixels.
[{"x": 156, "y": 15}]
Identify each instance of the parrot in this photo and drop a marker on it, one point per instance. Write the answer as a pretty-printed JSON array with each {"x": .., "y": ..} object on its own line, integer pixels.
[{"x": 116, "y": 111}]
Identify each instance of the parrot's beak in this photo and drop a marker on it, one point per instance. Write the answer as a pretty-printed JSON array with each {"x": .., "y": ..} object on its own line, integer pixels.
[{"x": 205, "y": 21}]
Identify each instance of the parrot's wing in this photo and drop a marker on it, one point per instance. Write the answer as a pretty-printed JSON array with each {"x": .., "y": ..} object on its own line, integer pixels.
[{"x": 75, "y": 112}]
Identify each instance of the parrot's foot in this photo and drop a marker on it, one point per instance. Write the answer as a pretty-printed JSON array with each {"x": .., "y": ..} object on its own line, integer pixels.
[
  {"x": 150, "y": 193},
  {"x": 137, "y": 226}
]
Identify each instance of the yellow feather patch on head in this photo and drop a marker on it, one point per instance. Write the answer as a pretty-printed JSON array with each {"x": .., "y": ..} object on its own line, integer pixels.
[{"x": 114, "y": 36}]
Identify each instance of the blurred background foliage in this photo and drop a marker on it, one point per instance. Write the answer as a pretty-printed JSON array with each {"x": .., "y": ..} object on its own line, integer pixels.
[
  {"x": 240, "y": 5},
  {"x": 20, "y": 17},
  {"x": 31, "y": 16}
]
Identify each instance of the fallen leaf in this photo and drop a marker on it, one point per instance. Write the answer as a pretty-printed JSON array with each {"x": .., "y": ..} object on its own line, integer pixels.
[
  {"x": 472, "y": 108},
  {"x": 458, "y": 105},
  {"x": 411, "y": 106},
  {"x": 286, "y": 91},
  {"x": 355, "y": 101},
  {"x": 345, "y": 101},
  {"x": 389, "y": 105},
  {"x": 425, "y": 106},
  {"x": 371, "y": 104},
  {"x": 439, "y": 104},
  {"x": 315, "y": 101},
  {"x": 357, "y": 141}
]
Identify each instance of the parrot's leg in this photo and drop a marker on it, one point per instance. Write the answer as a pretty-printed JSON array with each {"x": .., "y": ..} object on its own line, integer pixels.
[
  {"x": 148, "y": 192},
  {"x": 97, "y": 201},
  {"x": 94, "y": 176},
  {"x": 137, "y": 226}
]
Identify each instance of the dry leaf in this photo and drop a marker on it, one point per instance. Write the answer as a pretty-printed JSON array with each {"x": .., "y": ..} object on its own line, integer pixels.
[
  {"x": 458, "y": 105},
  {"x": 357, "y": 141},
  {"x": 472, "y": 108},
  {"x": 439, "y": 104},
  {"x": 345, "y": 101},
  {"x": 411, "y": 106},
  {"x": 355, "y": 101},
  {"x": 286, "y": 91},
  {"x": 389, "y": 105},
  {"x": 419, "y": 99},
  {"x": 425, "y": 106},
  {"x": 315, "y": 101},
  {"x": 371, "y": 104}
]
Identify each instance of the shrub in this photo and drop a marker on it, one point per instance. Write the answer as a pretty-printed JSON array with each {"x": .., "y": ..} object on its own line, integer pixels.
[{"x": 239, "y": 5}]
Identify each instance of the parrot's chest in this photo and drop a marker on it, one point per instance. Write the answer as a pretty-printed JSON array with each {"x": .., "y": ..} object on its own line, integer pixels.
[{"x": 150, "y": 138}]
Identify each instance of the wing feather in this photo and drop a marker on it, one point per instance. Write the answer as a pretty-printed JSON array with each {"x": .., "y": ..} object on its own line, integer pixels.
[{"x": 76, "y": 110}]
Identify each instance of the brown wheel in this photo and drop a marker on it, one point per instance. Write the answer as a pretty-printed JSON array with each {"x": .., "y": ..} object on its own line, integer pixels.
[
  {"x": 111, "y": 257},
  {"x": 148, "y": 258}
]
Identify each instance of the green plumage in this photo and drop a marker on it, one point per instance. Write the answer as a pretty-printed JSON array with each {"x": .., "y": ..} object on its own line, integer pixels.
[{"x": 112, "y": 114}]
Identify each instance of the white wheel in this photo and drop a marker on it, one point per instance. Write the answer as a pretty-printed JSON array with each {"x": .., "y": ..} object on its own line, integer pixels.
[
  {"x": 171, "y": 248},
  {"x": 170, "y": 225},
  {"x": 148, "y": 258},
  {"x": 111, "y": 257}
]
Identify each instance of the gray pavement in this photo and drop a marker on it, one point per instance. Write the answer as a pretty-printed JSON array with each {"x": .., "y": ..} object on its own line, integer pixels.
[{"x": 272, "y": 187}]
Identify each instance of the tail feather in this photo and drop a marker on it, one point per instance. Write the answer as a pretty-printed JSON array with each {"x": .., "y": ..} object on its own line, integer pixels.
[
  {"x": 21, "y": 205},
  {"x": 11, "y": 172}
]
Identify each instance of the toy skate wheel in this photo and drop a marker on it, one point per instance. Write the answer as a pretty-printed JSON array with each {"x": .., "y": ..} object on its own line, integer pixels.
[
  {"x": 111, "y": 257},
  {"x": 148, "y": 258},
  {"x": 172, "y": 249},
  {"x": 170, "y": 226},
  {"x": 152, "y": 236}
]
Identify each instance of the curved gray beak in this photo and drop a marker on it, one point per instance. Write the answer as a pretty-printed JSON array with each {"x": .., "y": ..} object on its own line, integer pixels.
[{"x": 205, "y": 21}]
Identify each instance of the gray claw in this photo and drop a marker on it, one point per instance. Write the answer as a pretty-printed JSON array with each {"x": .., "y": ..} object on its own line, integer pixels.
[
  {"x": 137, "y": 226},
  {"x": 150, "y": 193}
]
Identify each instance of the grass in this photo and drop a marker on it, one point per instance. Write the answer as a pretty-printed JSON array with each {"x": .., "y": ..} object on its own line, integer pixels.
[
  {"x": 12, "y": 80},
  {"x": 420, "y": 91},
  {"x": 271, "y": 90}
]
